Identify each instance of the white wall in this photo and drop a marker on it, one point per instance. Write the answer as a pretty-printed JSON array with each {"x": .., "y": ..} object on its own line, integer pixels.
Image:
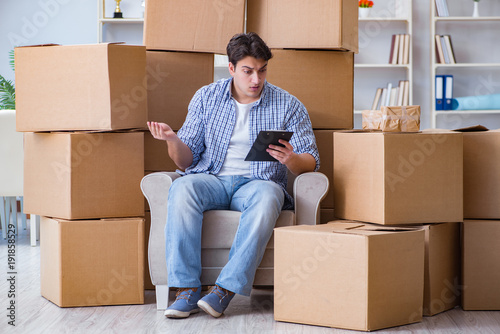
[{"x": 27, "y": 22}]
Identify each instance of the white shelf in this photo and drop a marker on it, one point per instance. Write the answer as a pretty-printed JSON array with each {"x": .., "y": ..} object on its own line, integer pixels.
[
  {"x": 434, "y": 67},
  {"x": 385, "y": 73},
  {"x": 124, "y": 20},
  {"x": 451, "y": 112},
  {"x": 407, "y": 66},
  {"x": 466, "y": 18}
]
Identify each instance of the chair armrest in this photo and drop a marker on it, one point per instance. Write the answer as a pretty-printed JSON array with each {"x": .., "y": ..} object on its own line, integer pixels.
[
  {"x": 308, "y": 191},
  {"x": 155, "y": 187}
]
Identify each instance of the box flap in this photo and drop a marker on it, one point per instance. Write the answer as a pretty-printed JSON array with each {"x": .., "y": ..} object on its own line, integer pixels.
[{"x": 473, "y": 128}]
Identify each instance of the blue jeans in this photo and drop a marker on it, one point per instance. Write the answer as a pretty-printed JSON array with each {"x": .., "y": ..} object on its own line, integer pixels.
[{"x": 259, "y": 201}]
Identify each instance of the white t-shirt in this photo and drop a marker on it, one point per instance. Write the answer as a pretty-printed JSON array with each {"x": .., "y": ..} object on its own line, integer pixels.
[{"x": 239, "y": 145}]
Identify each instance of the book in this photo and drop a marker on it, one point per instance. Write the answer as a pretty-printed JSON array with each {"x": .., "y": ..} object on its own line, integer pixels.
[
  {"x": 439, "y": 50},
  {"x": 449, "y": 49},
  {"x": 383, "y": 98},
  {"x": 401, "y": 48},
  {"x": 264, "y": 139},
  {"x": 388, "y": 95},
  {"x": 406, "y": 94},
  {"x": 395, "y": 50},
  {"x": 393, "y": 96},
  {"x": 376, "y": 100},
  {"x": 406, "y": 51},
  {"x": 445, "y": 51},
  {"x": 401, "y": 89},
  {"x": 393, "y": 39},
  {"x": 445, "y": 8},
  {"x": 439, "y": 91},
  {"x": 448, "y": 92}
]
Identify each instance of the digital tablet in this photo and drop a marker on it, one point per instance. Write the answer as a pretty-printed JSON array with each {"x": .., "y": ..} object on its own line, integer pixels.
[{"x": 264, "y": 139}]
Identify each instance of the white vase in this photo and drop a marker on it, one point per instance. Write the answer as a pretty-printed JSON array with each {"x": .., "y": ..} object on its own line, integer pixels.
[
  {"x": 475, "y": 13},
  {"x": 364, "y": 12}
]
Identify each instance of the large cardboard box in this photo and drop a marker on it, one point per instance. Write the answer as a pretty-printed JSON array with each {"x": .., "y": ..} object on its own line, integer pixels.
[
  {"x": 192, "y": 25},
  {"x": 181, "y": 74},
  {"x": 76, "y": 175},
  {"x": 480, "y": 266},
  {"x": 481, "y": 176},
  {"x": 92, "y": 262},
  {"x": 156, "y": 156},
  {"x": 398, "y": 178},
  {"x": 351, "y": 276},
  {"x": 81, "y": 87},
  {"x": 442, "y": 267},
  {"x": 324, "y": 140},
  {"x": 295, "y": 24},
  {"x": 322, "y": 80}
]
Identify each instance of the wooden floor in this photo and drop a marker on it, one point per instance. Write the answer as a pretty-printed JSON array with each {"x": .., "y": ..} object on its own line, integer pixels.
[{"x": 254, "y": 314}]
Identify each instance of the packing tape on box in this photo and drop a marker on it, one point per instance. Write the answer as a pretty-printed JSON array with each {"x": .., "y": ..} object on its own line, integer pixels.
[{"x": 401, "y": 119}]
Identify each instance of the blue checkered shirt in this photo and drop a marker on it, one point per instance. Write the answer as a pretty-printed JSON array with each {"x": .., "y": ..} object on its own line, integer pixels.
[{"x": 210, "y": 122}]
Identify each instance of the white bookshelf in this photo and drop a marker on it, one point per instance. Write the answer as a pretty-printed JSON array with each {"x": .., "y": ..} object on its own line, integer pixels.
[
  {"x": 371, "y": 68},
  {"x": 467, "y": 70},
  {"x": 132, "y": 19}
]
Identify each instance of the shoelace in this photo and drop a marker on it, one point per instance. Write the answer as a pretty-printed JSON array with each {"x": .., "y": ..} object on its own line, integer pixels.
[
  {"x": 220, "y": 292},
  {"x": 180, "y": 295}
]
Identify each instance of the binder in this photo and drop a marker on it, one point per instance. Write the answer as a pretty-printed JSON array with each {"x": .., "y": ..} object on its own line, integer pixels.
[
  {"x": 448, "y": 91},
  {"x": 440, "y": 92}
]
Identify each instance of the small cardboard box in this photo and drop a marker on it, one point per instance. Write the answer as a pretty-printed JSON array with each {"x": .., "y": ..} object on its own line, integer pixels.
[
  {"x": 398, "y": 178},
  {"x": 180, "y": 75},
  {"x": 364, "y": 277},
  {"x": 295, "y": 24},
  {"x": 324, "y": 84},
  {"x": 92, "y": 262},
  {"x": 81, "y": 87},
  {"x": 324, "y": 140},
  {"x": 480, "y": 266},
  {"x": 74, "y": 175},
  {"x": 442, "y": 267},
  {"x": 392, "y": 119},
  {"x": 481, "y": 176},
  {"x": 192, "y": 25}
]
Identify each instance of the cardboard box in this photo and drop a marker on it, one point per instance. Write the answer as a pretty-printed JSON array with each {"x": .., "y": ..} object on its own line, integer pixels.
[
  {"x": 398, "y": 178},
  {"x": 81, "y": 87},
  {"x": 392, "y": 119},
  {"x": 294, "y": 24},
  {"x": 76, "y": 175},
  {"x": 442, "y": 267},
  {"x": 92, "y": 262},
  {"x": 363, "y": 277},
  {"x": 156, "y": 156},
  {"x": 180, "y": 75},
  {"x": 192, "y": 25},
  {"x": 481, "y": 176},
  {"x": 324, "y": 84},
  {"x": 480, "y": 266},
  {"x": 324, "y": 140}
]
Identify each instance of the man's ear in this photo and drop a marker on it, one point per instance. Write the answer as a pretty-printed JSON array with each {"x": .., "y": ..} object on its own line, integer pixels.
[{"x": 232, "y": 68}]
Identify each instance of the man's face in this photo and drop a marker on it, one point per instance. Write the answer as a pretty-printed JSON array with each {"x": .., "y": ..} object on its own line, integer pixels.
[{"x": 249, "y": 76}]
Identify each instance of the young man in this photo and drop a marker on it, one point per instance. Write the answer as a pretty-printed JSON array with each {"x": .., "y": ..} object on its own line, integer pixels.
[{"x": 223, "y": 120}]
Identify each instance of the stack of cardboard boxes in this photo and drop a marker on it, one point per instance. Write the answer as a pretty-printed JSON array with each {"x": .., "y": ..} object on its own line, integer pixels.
[
  {"x": 481, "y": 228},
  {"x": 83, "y": 165},
  {"x": 313, "y": 45}
]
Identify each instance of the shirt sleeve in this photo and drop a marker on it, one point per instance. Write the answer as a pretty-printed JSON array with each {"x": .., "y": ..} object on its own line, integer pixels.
[
  {"x": 303, "y": 139},
  {"x": 192, "y": 131}
]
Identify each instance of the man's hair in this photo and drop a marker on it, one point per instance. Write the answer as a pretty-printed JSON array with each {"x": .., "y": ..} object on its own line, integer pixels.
[{"x": 247, "y": 44}]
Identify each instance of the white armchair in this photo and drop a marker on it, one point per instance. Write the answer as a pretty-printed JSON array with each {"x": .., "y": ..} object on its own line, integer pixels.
[
  {"x": 308, "y": 191},
  {"x": 11, "y": 170}
]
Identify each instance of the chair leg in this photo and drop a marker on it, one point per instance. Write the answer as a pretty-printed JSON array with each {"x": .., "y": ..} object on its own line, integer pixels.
[
  {"x": 13, "y": 212},
  {"x": 23, "y": 215},
  {"x": 162, "y": 296},
  {"x": 3, "y": 217},
  {"x": 34, "y": 229}
]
